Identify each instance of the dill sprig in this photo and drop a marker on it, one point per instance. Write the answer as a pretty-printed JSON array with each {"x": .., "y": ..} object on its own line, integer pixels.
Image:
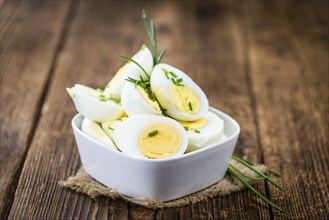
[
  {"x": 150, "y": 29},
  {"x": 242, "y": 178}
]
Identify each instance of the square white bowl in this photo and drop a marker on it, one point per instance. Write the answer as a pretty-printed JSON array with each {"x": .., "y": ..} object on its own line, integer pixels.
[{"x": 160, "y": 180}]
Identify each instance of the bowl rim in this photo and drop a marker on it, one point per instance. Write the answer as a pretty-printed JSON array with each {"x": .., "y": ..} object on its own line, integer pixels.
[{"x": 170, "y": 159}]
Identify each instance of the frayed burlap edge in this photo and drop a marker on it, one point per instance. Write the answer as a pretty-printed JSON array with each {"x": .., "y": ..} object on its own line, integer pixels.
[{"x": 83, "y": 183}]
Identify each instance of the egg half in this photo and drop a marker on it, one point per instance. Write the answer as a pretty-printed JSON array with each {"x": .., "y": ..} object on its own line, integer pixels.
[
  {"x": 151, "y": 136},
  {"x": 135, "y": 100},
  {"x": 130, "y": 69},
  {"x": 204, "y": 131},
  {"x": 93, "y": 130},
  {"x": 94, "y": 105},
  {"x": 176, "y": 92},
  {"x": 110, "y": 127}
]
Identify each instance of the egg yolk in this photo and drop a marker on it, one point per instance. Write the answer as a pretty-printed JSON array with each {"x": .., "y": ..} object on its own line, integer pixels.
[
  {"x": 145, "y": 96},
  {"x": 185, "y": 99},
  {"x": 165, "y": 143},
  {"x": 192, "y": 125},
  {"x": 118, "y": 75}
]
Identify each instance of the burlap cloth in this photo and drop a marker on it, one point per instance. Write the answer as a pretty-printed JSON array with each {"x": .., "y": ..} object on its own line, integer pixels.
[{"x": 83, "y": 183}]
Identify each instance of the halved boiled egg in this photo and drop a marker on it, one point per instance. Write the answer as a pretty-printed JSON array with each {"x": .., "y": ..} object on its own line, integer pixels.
[
  {"x": 130, "y": 69},
  {"x": 204, "y": 131},
  {"x": 93, "y": 130},
  {"x": 176, "y": 92},
  {"x": 111, "y": 126},
  {"x": 151, "y": 136},
  {"x": 135, "y": 100},
  {"x": 93, "y": 104}
]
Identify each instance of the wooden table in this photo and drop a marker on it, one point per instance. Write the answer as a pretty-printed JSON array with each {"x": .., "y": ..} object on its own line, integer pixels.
[{"x": 264, "y": 63}]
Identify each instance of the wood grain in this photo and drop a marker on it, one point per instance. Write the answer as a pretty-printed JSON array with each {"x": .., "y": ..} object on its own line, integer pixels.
[
  {"x": 289, "y": 66},
  {"x": 27, "y": 51}
]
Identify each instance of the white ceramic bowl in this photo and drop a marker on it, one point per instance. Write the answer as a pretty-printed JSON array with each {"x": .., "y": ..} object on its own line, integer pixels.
[{"x": 164, "y": 179}]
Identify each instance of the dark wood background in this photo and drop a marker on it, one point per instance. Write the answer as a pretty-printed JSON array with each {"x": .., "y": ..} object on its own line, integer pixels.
[{"x": 263, "y": 62}]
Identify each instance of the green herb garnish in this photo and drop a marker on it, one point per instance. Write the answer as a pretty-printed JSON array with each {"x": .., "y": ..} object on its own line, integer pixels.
[
  {"x": 132, "y": 60},
  {"x": 190, "y": 106},
  {"x": 110, "y": 128},
  {"x": 102, "y": 96},
  {"x": 102, "y": 99},
  {"x": 99, "y": 90},
  {"x": 186, "y": 128},
  {"x": 150, "y": 29},
  {"x": 247, "y": 164},
  {"x": 173, "y": 74},
  {"x": 165, "y": 72},
  {"x": 179, "y": 80},
  {"x": 197, "y": 131},
  {"x": 242, "y": 178},
  {"x": 152, "y": 133}
]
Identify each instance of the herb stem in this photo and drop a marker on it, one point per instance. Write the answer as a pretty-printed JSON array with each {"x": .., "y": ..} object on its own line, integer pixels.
[
  {"x": 251, "y": 167},
  {"x": 246, "y": 184},
  {"x": 140, "y": 66}
]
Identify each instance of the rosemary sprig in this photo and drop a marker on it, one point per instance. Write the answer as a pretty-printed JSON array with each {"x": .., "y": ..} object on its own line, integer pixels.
[
  {"x": 251, "y": 167},
  {"x": 232, "y": 170},
  {"x": 150, "y": 29}
]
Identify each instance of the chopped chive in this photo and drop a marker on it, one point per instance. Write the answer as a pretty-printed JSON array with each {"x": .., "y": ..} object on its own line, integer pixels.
[
  {"x": 99, "y": 90},
  {"x": 143, "y": 47},
  {"x": 173, "y": 81},
  {"x": 173, "y": 74},
  {"x": 152, "y": 133},
  {"x": 186, "y": 128},
  {"x": 179, "y": 80},
  {"x": 102, "y": 96},
  {"x": 109, "y": 127},
  {"x": 102, "y": 99},
  {"x": 165, "y": 72},
  {"x": 197, "y": 131},
  {"x": 190, "y": 106}
]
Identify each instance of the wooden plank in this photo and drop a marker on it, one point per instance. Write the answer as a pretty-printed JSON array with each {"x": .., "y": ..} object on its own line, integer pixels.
[
  {"x": 27, "y": 49},
  {"x": 214, "y": 41},
  {"x": 90, "y": 55},
  {"x": 215, "y": 47},
  {"x": 289, "y": 67}
]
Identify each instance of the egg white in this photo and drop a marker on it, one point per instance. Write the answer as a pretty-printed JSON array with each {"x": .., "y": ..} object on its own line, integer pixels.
[
  {"x": 111, "y": 126},
  {"x": 93, "y": 130},
  {"x": 133, "y": 103},
  {"x": 159, "y": 81},
  {"x": 144, "y": 58},
  {"x": 88, "y": 103},
  {"x": 211, "y": 133},
  {"x": 126, "y": 135}
]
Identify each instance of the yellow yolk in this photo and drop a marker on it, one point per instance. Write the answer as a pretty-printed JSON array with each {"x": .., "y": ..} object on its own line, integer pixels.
[
  {"x": 164, "y": 144},
  {"x": 163, "y": 98},
  {"x": 192, "y": 125},
  {"x": 185, "y": 99},
  {"x": 152, "y": 103},
  {"x": 118, "y": 75}
]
